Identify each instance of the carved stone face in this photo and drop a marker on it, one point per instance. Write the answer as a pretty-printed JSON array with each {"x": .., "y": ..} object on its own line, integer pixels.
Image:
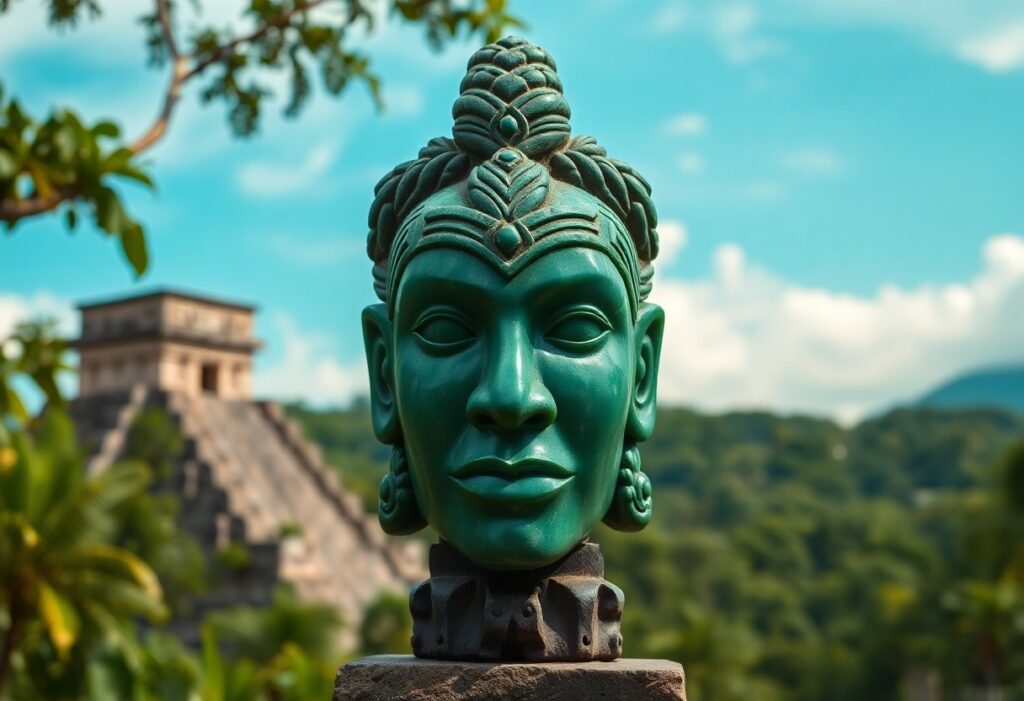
[
  {"x": 514, "y": 392},
  {"x": 513, "y": 362}
]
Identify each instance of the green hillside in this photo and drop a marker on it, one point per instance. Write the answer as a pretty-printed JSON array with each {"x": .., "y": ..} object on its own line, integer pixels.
[
  {"x": 991, "y": 387},
  {"x": 790, "y": 558}
]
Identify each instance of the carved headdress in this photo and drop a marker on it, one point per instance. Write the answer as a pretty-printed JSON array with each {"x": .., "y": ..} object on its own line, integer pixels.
[{"x": 513, "y": 183}]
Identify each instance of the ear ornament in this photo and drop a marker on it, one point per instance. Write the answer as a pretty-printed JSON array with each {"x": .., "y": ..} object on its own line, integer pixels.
[
  {"x": 397, "y": 511},
  {"x": 632, "y": 505}
]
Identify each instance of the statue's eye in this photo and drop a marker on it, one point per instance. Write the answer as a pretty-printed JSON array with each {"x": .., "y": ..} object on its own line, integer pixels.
[
  {"x": 444, "y": 332},
  {"x": 579, "y": 331}
]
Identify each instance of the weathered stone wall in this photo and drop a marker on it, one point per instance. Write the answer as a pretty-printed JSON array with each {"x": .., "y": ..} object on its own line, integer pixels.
[{"x": 167, "y": 342}]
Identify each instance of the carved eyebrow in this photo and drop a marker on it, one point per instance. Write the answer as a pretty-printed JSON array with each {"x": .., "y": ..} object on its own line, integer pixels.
[
  {"x": 436, "y": 285},
  {"x": 591, "y": 289},
  {"x": 591, "y": 282}
]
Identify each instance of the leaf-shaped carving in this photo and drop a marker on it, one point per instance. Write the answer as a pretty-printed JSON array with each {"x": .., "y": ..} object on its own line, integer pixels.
[
  {"x": 614, "y": 183},
  {"x": 565, "y": 170},
  {"x": 587, "y": 145},
  {"x": 440, "y": 163},
  {"x": 586, "y": 165},
  {"x": 508, "y": 193},
  {"x": 437, "y": 146}
]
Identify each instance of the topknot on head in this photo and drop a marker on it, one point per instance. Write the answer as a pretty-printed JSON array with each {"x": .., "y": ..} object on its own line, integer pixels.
[
  {"x": 511, "y": 106},
  {"x": 511, "y": 52},
  {"x": 511, "y": 96}
]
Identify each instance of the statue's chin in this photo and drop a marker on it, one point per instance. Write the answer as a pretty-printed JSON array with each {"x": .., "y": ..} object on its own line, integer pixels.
[{"x": 514, "y": 545}]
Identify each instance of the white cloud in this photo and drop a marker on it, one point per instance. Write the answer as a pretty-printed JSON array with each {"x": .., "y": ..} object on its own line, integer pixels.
[
  {"x": 309, "y": 369},
  {"x": 687, "y": 124},
  {"x": 989, "y": 34},
  {"x": 765, "y": 191},
  {"x": 744, "y": 337},
  {"x": 814, "y": 161},
  {"x": 985, "y": 33},
  {"x": 999, "y": 51},
  {"x": 266, "y": 179},
  {"x": 299, "y": 248},
  {"x": 402, "y": 101},
  {"x": 733, "y": 27},
  {"x": 15, "y": 308},
  {"x": 690, "y": 163},
  {"x": 672, "y": 239},
  {"x": 25, "y": 29},
  {"x": 670, "y": 17}
]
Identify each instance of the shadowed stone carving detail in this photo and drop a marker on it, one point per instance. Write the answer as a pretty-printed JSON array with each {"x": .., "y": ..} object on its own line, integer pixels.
[{"x": 566, "y": 611}]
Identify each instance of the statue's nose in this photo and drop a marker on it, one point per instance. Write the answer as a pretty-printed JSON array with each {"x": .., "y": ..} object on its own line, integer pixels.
[{"x": 511, "y": 396}]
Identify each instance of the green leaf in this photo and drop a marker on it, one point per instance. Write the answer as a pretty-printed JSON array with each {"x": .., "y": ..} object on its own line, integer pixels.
[
  {"x": 119, "y": 162},
  {"x": 62, "y": 623},
  {"x": 107, "y": 129},
  {"x": 300, "y": 86},
  {"x": 16, "y": 119},
  {"x": 8, "y": 166},
  {"x": 110, "y": 215},
  {"x": 65, "y": 142},
  {"x": 212, "y": 667},
  {"x": 12, "y": 404},
  {"x": 133, "y": 173},
  {"x": 133, "y": 243},
  {"x": 41, "y": 179},
  {"x": 72, "y": 217},
  {"x": 117, "y": 559},
  {"x": 373, "y": 84}
]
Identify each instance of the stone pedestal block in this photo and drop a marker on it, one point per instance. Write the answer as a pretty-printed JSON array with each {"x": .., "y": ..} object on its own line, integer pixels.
[{"x": 407, "y": 678}]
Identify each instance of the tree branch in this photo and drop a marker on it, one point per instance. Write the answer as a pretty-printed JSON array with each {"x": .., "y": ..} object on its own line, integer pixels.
[
  {"x": 11, "y": 210},
  {"x": 182, "y": 73},
  {"x": 179, "y": 66},
  {"x": 227, "y": 49},
  {"x": 157, "y": 129},
  {"x": 163, "y": 14}
]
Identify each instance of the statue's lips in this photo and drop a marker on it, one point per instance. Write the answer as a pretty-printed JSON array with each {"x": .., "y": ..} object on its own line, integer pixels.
[{"x": 523, "y": 480}]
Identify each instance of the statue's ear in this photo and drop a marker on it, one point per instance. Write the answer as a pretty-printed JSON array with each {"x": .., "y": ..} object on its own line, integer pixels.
[
  {"x": 650, "y": 327},
  {"x": 377, "y": 339}
]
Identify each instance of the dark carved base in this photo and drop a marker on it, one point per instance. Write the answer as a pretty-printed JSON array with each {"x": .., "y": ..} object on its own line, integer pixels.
[
  {"x": 406, "y": 678},
  {"x": 565, "y": 612}
]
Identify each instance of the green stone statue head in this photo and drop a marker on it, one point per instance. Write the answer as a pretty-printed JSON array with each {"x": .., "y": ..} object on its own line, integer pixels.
[{"x": 513, "y": 360}]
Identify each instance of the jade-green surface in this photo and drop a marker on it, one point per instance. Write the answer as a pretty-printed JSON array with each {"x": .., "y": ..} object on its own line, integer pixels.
[{"x": 513, "y": 360}]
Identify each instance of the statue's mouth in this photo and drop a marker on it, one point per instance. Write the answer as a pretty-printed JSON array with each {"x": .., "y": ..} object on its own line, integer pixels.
[{"x": 525, "y": 480}]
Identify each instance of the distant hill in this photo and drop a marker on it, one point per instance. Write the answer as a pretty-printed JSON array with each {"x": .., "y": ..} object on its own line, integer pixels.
[{"x": 990, "y": 387}]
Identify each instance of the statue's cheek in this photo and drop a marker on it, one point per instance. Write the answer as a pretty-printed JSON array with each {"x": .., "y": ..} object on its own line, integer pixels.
[
  {"x": 592, "y": 392},
  {"x": 435, "y": 387}
]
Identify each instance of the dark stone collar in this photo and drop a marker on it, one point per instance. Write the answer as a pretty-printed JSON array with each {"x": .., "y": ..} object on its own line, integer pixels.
[{"x": 565, "y": 612}]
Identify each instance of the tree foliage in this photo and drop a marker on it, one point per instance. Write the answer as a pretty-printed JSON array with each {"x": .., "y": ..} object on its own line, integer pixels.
[
  {"x": 793, "y": 559},
  {"x": 62, "y": 163},
  {"x": 64, "y": 585},
  {"x": 33, "y": 356},
  {"x": 84, "y": 559}
]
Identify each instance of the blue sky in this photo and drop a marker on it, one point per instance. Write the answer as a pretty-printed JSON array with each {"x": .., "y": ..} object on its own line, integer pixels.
[{"x": 840, "y": 184}]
